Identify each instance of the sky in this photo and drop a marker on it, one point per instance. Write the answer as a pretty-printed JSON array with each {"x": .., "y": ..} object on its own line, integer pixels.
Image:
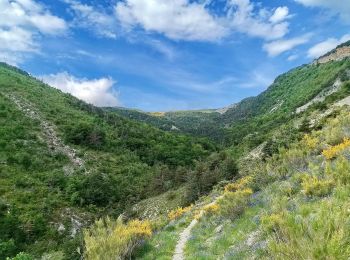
[{"x": 163, "y": 55}]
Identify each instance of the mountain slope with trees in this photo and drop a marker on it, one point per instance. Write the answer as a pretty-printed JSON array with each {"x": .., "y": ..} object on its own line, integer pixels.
[{"x": 64, "y": 163}]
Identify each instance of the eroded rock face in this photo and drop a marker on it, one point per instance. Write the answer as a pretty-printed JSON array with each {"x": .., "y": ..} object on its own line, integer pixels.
[{"x": 338, "y": 54}]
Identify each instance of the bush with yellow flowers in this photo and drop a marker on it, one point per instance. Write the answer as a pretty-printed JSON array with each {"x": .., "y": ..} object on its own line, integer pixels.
[
  {"x": 311, "y": 142},
  {"x": 335, "y": 150},
  {"x": 313, "y": 186},
  {"x": 108, "y": 239},
  {"x": 211, "y": 209},
  {"x": 238, "y": 185},
  {"x": 273, "y": 222},
  {"x": 177, "y": 213}
]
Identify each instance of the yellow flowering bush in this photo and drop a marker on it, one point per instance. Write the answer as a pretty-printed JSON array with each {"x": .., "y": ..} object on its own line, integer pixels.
[
  {"x": 211, "y": 209},
  {"x": 311, "y": 142},
  {"x": 312, "y": 186},
  {"x": 273, "y": 222},
  {"x": 108, "y": 239},
  {"x": 333, "y": 151},
  {"x": 238, "y": 185},
  {"x": 176, "y": 213}
]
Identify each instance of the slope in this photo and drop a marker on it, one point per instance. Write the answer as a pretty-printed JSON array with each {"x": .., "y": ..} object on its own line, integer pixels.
[
  {"x": 293, "y": 205},
  {"x": 63, "y": 163},
  {"x": 290, "y": 203}
]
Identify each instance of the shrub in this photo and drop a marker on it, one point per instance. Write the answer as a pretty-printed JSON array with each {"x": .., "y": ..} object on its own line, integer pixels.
[
  {"x": 177, "y": 213},
  {"x": 340, "y": 171},
  {"x": 109, "y": 239},
  {"x": 311, "y": 142},
  {"x": 211, "y": 209},
  {"x": 333, "y": 151},
  {"x": 272, "y": 223},
  {"x": 238, "y": 185},
  {"x": 233, "y": 204},
  {"x": 312, "y": 186},
  {"x": 21, "y": 256},
  {"x": 90, "y": 135},
  {"x": 319, "y": 231}
]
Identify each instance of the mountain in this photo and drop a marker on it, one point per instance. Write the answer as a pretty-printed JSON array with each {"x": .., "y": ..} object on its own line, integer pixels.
[
  {"x": 196, "y": 123},
  {"x": 266, "y": 178},
  {"x": 254, "y": 119}
]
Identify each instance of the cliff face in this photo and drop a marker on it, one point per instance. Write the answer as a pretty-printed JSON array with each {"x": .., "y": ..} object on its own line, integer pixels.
[{"x": 338, "y": 54}]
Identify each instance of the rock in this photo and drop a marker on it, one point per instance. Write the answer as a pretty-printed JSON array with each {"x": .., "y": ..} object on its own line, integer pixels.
[{"x": 219, "y": 229}]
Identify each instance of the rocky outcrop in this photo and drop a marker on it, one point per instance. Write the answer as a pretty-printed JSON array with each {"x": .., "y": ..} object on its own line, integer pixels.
[
  {"x": 321, "y": 96},
  {"x": 338, "y": 54}
]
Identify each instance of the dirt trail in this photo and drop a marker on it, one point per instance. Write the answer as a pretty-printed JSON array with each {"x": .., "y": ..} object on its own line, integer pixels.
[
  {"x": 186, "y": 234},
  {"x": 48, "y": 130}
]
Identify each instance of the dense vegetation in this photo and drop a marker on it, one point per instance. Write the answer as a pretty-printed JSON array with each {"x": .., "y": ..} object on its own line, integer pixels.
[
  {"x": 197, "y": 123},
  {"x": 43, "y": 192}
]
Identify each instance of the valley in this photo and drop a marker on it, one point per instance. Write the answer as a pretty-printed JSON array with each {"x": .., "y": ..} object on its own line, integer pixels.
[{"x": 266, "y": 178}]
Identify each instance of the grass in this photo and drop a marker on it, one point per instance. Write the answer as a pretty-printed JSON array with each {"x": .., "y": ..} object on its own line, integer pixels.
[
  {"x": 159, "y": 205},
  {"x": 230, "y": 242}
]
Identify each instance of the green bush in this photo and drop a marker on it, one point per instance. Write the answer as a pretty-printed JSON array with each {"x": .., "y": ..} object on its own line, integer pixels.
[{"x": 233, "y": 204}]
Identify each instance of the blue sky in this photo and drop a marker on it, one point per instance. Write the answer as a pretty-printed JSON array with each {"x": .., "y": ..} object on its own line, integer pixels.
[{"x": 161, "y": 55}]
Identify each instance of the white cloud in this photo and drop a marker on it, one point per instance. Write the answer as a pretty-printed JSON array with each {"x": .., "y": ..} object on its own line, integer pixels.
[
  {"x": 98, "y": 92},
  {"x": 89, "y": 17},
  {"x": 281, "y": 13},
  {"x": 30, "y": 15},
  {"x": 22, "y": 23},
  {"x": 192, "y": 20},
  {"x": 338, "y": 7},
  {"x": 244, "y": 18},
  {"x": 177, "y": 19},
  {"x": 326, "y": 46},
  {"x": 275, "y": 48}
]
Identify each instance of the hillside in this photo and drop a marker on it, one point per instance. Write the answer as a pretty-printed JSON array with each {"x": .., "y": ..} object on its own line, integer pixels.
[
  {"x": 253, "y": 120},
  {"x": 64, "y": 163},
  {"x": 288, "y": 198},
  {"x": 266, "y": 178},
  {"x": 292, "y": 206},
  {"x": 196, "y": 123}
]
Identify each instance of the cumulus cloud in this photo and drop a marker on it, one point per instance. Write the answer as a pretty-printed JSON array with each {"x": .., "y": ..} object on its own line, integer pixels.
[
  {"x": 245, "y": 17},
  {"x": 22, "y": 23},
  {"x": 326, "y": 46},
  {"x": 90, "y": 17},
  {"x": 177, "y": 19},
  {"x": 191, "y": 20},
  {"x": 338, "y": 7},
  {"x": 278, "y": 47},
  {"x": 98, "y": 92}
]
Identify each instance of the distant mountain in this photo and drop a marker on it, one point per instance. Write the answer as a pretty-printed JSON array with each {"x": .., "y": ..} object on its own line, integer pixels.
[{"x": 259, "y": 115}]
